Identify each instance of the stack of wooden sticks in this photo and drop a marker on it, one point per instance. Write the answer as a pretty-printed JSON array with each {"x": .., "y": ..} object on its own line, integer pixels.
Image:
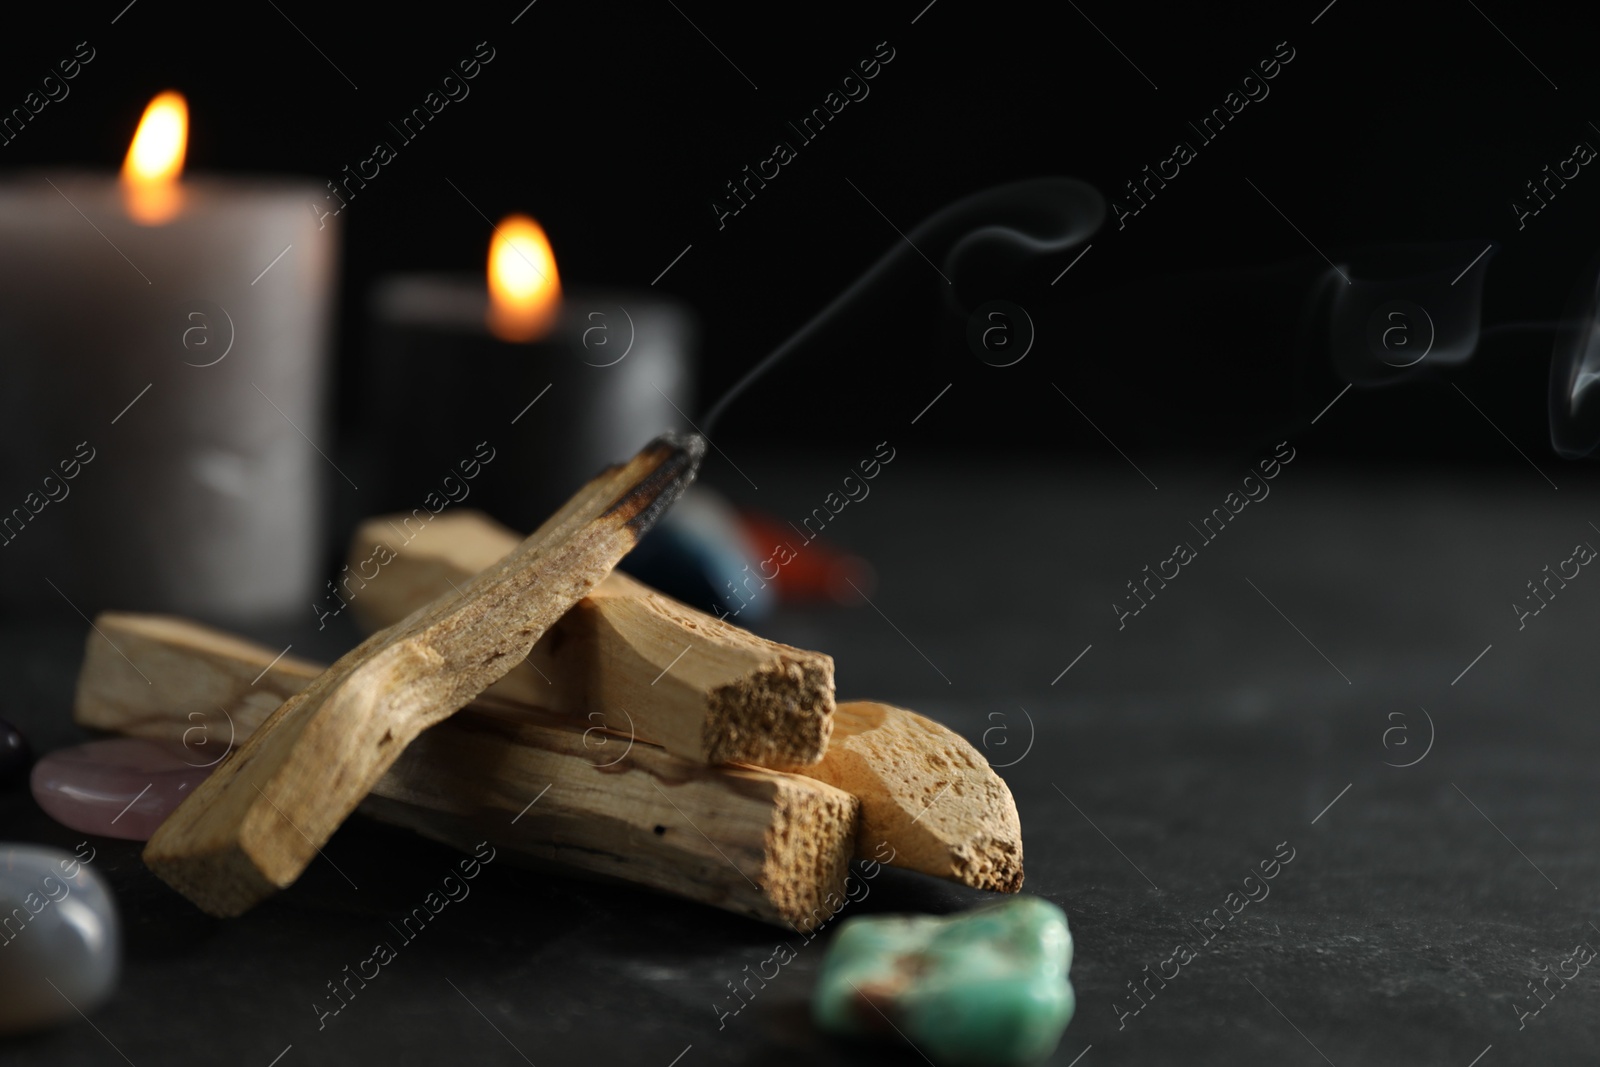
[{"x": 604, "y": 728}]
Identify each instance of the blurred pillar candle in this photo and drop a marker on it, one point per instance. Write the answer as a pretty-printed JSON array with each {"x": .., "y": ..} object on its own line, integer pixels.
[
  {"x": 162, "y": 348},
  {"x": 507, "y": 397}
]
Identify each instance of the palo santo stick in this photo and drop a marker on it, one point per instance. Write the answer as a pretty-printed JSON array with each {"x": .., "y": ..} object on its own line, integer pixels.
[
  {"x": 766, "y": 844},
  {"x": 927, "y": 792},
  {"x": 625, "y": 657},
  {"x": 779, "y": 844},
  {"x": 252, "y": 827},
  {"x": 206, "y": 676}
]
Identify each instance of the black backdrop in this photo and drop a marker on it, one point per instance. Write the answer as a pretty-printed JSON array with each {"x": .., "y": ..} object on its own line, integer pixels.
[{"x": 618, "y": 125}]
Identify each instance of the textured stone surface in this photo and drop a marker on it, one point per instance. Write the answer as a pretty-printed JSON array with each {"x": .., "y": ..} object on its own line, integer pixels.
[
  {"x": 928, "y": 792},
  {"x": 60, "y": 942},
  {"x": 1404, "y": 931},
  {"x": 120, "y": 787},
  {"x": 988, "y": 986}
]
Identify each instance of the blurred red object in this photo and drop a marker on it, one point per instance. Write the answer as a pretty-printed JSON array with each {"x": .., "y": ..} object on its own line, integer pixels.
[{"x": 815, "y": 571}]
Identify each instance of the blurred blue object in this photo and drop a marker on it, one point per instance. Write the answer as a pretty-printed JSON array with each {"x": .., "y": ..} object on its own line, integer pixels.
[{"x": 698, "y": 553}]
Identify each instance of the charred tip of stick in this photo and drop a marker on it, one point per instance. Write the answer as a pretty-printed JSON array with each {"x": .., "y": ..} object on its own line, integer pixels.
[
  {"x": 675, "y": 459},
  {"x": 692, "y": 445}
]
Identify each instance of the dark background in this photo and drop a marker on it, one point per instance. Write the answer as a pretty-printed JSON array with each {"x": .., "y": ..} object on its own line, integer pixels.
[
  {"x": 618, "y": 126},
  {"x": 1224, "y": 719}
]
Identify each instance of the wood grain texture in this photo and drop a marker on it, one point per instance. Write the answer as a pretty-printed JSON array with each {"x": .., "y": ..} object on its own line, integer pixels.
[
  {"x": 625, "y": 657},
  {"x": 927, "y": 792},
  {"x": 252, "y": 827},
  {"x": 923, "y": 789},
  {"x": 761, "y": 843}
]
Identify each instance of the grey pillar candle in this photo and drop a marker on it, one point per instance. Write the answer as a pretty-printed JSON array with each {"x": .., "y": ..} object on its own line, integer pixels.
[
  {"x": 613, "y": 371},
  {"x": 161, "y": 397}
]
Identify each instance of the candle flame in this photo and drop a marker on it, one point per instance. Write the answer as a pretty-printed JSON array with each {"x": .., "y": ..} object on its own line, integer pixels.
[
  {"x": 524, "y": 289},
  {"x": 155, "y": 159}
]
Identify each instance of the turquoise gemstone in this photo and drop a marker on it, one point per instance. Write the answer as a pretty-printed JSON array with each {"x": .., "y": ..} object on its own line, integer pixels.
[{"x": 988, "y": 986}]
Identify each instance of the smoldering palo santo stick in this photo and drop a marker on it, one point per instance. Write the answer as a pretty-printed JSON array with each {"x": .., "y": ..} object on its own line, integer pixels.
[{"x": 252, "y": 827}]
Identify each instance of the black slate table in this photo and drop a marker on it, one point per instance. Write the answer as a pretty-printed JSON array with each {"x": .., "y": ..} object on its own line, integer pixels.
[{"x": 1259, "y": 704}]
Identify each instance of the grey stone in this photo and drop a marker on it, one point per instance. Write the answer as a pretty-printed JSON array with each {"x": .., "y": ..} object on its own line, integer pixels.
[{"x": 60, "y": 940}]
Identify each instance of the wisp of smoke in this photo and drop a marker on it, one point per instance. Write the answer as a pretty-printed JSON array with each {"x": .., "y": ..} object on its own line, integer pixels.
[{"x": 979, "y": 244}]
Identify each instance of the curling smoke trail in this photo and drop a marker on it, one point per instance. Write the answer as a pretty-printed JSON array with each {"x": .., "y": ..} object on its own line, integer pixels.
[{"x": 988, "y": 236}]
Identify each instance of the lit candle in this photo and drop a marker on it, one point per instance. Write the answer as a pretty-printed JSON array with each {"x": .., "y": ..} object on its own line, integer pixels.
[
  {"x": 550, "y": 385},
  {"x": 162, "y": 341},
  {"x": 524, "y": 288}
]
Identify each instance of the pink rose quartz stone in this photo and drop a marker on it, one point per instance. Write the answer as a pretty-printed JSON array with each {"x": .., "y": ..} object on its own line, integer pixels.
[{"x": 122, "y": 787}]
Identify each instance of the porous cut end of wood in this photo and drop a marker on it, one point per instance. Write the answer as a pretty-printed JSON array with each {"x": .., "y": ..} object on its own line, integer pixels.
[
  {"x": 780, "y": 714},
  {"x": 809, "y": 844},
  {"x": 704, "y": 689},
  {"x": 927, "y": 793}
]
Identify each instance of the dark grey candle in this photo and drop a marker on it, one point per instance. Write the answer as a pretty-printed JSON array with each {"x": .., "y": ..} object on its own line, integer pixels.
[{"x": 457, "y": 416}]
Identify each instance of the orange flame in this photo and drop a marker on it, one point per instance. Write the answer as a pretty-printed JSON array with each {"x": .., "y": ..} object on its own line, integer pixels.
[
  {"x": 150, "y": 186},
  {"x": 524, "y": 288}
]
